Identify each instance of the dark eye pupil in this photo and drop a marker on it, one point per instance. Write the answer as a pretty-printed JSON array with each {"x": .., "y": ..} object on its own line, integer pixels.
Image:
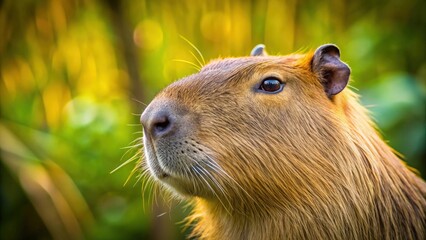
[{"x": 271, "y": 85}]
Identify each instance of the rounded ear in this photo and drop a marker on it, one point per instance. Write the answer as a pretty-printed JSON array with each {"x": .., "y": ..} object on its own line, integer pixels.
[
  {"x": 334, "y": 74},
  {"x": 259, "y": 50}
]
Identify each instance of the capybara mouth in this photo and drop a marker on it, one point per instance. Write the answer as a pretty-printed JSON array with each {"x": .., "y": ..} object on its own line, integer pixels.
[
  {"x": 152, "y": 160},
  {"x": 183, "y": 165},
  {"x": 163, "y": 175}
]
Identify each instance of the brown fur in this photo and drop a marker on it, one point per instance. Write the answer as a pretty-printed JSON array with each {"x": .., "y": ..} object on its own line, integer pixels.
[{"x": 293, "y": 165}]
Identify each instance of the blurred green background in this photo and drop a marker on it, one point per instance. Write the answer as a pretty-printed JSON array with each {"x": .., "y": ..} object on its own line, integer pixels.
[{"x": 75, "y": 75}]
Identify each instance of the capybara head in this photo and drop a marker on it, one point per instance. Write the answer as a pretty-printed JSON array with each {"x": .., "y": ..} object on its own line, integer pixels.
[
  {"x": 277, "y": 147},
  {"x": 248, "y": 129}
]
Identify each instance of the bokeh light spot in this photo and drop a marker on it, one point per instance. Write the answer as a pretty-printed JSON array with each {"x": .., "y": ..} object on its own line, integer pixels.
[{"x": 148, "y": 35}]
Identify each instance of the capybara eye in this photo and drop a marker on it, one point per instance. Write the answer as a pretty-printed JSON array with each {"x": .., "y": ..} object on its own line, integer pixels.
[{"x": 271, "y": 85}]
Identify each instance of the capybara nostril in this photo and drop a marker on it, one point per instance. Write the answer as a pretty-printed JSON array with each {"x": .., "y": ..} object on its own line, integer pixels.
[
  {"x": 157, "y": 123},
  {"x": 161, "y": 123}
]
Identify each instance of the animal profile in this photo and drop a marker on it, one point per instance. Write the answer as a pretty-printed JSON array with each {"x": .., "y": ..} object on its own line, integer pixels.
[{"x": 278, "y": 147}]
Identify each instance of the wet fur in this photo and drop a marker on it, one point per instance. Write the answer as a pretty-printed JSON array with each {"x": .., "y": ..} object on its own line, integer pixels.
[{"x": 294, "y": 165}]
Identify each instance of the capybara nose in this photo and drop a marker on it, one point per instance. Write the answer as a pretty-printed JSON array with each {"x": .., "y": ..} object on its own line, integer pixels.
[{"x": 158, "y": 122}]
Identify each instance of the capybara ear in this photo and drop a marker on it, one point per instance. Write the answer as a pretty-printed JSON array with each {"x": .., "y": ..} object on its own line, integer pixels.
[
  {"x": 333, "y": 73},
  {"x": 259, "y": 50}
]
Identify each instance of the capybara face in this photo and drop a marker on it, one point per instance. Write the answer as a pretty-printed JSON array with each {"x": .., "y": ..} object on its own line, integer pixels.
[{"x": 241, "y": 124}]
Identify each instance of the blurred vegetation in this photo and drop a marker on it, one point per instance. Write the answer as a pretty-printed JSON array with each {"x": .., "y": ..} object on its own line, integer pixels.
[{"x": 74, "y": 74}]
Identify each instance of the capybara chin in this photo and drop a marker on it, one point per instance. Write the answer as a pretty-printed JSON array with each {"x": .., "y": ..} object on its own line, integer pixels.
[{"x": 277, "y": 147}]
